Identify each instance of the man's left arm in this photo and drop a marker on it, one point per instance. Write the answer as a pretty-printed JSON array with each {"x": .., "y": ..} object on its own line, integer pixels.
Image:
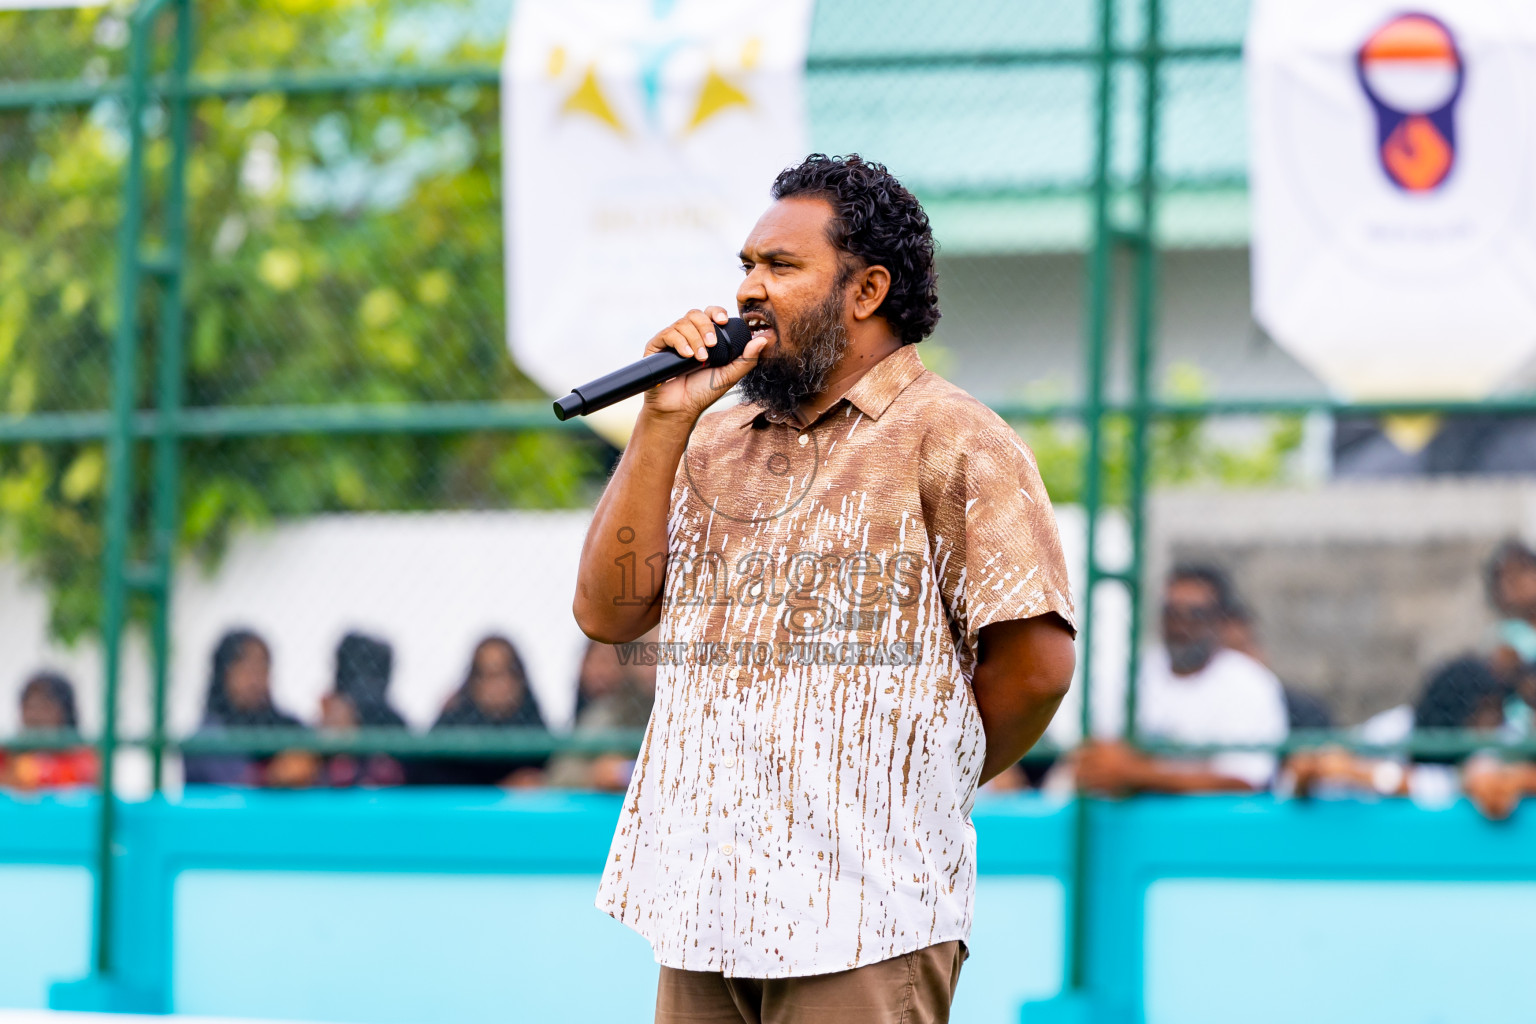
[{"x": 1023, "y": 670}]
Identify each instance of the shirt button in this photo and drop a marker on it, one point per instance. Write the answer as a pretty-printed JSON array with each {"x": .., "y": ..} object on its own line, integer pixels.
[
  {"x": 727, "y": 849},
  {"x": 729, "y": 762},
  {"x": 805, "y": 439}
]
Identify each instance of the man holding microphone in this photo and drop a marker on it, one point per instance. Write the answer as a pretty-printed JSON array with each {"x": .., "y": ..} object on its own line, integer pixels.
[{"x": 864, "y": 614}]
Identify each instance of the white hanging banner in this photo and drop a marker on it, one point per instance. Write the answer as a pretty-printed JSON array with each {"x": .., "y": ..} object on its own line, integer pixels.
[
  {"x": 1393, "y": 184},
  {"x": 641, "y": 140}
]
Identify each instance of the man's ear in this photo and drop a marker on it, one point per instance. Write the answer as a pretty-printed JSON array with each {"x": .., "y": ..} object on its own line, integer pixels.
[{"x": 872, "y": 285}]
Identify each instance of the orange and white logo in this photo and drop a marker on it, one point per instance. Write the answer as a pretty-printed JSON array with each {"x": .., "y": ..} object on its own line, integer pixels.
[
  {"x": 1394, "y": 228},
  {"x": 1412, "y": 72}
]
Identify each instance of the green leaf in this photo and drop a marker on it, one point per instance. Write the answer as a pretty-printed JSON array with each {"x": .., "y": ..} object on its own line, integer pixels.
[
  {"x": 207, "y": 349},
  {"x": 84, "y": 476},
  {"x": 13, "y": 319}
]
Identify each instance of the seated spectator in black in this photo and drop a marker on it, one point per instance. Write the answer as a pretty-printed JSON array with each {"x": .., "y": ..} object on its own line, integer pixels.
[
  {"x": 1194, "y": 691},
  {"x": 610, "y": 696},
  {"x": 364, "y": 665},
  {"x": 1463, "y": 695},
  {"x": 495, "y": 695},
  {"x": 1480, "y": 700},
  {"x": 359, "y": 699},
  {"x": 48, "y": 709},
  {"x": 1306, "y": 711},
  {"x": 1302, "y": 709},
  {"x": 240, "y": 698},
  {"x": 1466, "y": 694}
]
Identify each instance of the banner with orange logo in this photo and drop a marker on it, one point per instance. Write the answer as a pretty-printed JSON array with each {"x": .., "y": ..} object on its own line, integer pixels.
[
  {"x": 1393, "y": 188},
  {"x": 641, "y": 138}
]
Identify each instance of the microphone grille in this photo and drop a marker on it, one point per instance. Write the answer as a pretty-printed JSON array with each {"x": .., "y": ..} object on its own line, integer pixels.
[{"x": 733, "y": 336}]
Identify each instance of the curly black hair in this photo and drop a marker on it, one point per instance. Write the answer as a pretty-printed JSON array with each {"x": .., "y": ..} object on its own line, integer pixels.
[{"x": 877, "y": 222}]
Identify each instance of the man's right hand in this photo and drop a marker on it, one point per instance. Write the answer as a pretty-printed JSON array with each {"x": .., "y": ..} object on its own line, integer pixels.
[
  {"x": 630, "y": 521},
  {"x": 687, "y": 395}
]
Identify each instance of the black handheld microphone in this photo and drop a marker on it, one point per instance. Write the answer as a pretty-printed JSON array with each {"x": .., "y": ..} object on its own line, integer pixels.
[{"x": 731, "y": 340}]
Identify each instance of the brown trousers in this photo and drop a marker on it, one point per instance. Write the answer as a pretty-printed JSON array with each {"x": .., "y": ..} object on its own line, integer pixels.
[{"x": 916, "y": 988}]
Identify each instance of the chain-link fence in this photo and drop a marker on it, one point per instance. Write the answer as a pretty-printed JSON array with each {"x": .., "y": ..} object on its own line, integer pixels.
[{"x": 262, "y": 437}]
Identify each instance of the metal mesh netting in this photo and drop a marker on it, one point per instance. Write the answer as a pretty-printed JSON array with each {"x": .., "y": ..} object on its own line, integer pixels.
[
  {"x": 75, "y": 45},
  {"x": 344, "y": 240},
  {"x": 59, "y": 166}
]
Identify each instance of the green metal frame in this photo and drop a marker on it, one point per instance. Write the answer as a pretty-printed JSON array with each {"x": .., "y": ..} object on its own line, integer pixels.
[
  {"x": 1139, "y": 239},
  {"x": 120, "y": 576},
  {"x": 143, "y": 567}
]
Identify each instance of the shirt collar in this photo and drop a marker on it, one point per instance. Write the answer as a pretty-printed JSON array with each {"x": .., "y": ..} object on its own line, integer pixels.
[{"x": 871, "y": 394}]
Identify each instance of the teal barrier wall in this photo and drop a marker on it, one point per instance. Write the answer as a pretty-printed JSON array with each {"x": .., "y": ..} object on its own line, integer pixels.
[{"x": 413, "y": 907}]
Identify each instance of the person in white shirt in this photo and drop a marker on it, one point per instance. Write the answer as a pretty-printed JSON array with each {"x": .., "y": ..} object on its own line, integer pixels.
[{"x": 1194, "y": 691}]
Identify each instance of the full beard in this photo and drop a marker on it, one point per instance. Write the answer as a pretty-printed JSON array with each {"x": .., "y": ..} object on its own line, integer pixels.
[
  {"x": 1190, "y": 656},
  {"x": 809, "y": 347}
]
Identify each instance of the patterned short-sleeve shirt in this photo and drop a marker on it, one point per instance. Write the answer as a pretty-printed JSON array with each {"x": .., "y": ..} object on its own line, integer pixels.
[{"x": 802, "y": 801}]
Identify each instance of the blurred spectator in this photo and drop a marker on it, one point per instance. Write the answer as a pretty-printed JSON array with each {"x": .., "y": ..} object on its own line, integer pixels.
[
  {"x": 1511, "y": 581},
  {"x": 48, "y": 708},
  {"x": 364, "y": 665},
  {"x": 1194, "y": 691},
  {"x": 1302, "y": 709},
  {"x": 1306, "y": 711},
  {"x": 1470, "y": 694},
  {"x": 48, "y": 704},
  {"x": 610, "y": 696},
  {"x": 1464, "y": 694},
  {"x": 359, "y": 699},
  {"x": 1495, "y": 787},
  {"x": 240, "y": 697},
  {"x": 494, "y": 695}
]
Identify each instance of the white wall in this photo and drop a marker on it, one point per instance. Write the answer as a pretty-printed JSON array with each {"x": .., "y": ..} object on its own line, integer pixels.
[
  {"x": 430, "y": 584},
  {"x": 1013, "y": 326}
]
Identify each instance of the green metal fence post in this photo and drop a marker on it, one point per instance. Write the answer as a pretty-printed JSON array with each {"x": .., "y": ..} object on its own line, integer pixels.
[
  {"x": 169, "y": 267},
  {"x": 1143, "y": 340},
  {"x": 119, "y": 510},
  {"x": 104, "y": 989},
  {"x": 1097, "y": 343}
]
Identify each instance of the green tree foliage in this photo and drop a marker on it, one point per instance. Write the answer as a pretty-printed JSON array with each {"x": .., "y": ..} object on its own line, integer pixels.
[{"x": 341, "y": 249}]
